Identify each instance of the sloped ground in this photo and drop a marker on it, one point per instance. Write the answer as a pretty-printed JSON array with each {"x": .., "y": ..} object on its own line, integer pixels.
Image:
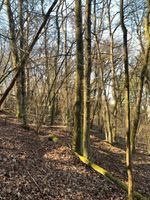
[{"x": 31, "y": 167}]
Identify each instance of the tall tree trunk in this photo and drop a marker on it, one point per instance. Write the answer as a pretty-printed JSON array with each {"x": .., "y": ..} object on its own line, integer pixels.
[
  {"x": 77, "y": 137},
  {"x": 66, "y": 70},
  {"x": 127, "y": 104},
  {"x": 28, "y": 95},
  {"x": 86, "y": 85},
  {"x": 114, "y": 94},
  {"x": 20, "y": 81},
  {"x": 108, "y": 126},
  {"x": 46, "y": 51},
  {"x": 101, "y": 86},
  {"x": 54, "y": 100},
  {"x": 14, "y": 55},
  {"x": 23, "y": 105},
  {"x": 141, "y": 80}
]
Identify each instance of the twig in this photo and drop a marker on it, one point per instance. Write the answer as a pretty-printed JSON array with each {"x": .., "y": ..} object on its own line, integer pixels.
[{"x": 34, "y": 181}]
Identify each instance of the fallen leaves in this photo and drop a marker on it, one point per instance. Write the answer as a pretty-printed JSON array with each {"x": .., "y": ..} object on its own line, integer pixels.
[{"x": 37, "y": 169}]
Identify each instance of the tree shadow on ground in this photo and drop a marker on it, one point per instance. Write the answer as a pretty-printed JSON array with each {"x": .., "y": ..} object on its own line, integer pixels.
[
  {"x": 37, "y": 168},
  {"x": 34, "y": 168},
  {"x": 112, "y": 158}
]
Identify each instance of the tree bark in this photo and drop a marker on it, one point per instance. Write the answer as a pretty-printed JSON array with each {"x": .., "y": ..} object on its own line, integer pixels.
[
  {"x": 87, "y": 75},
  {"x": 23, "y": 103},
  {"x": 14, "y": 55},
  {"x": 54, "y": 101},
  {"x": 141, "y": 80},
  {"x": 77, "y": 137},
  {"x": 114, "y": 94},
  {"x": 127, "y": 104}
]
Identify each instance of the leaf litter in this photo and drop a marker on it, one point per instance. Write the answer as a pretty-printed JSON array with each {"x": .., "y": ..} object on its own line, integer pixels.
[{"x": 34, "y": 168}]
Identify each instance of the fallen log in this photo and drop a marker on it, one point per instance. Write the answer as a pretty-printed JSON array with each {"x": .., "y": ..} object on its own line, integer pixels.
[
  {"x": 107, "y": 174},
  {"x": 101, "y": 170}
]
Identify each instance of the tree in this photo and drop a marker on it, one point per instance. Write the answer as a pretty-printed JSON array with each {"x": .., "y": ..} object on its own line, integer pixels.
[
  {"x": 14, "y": 53},
  {"x": 66, "y": 69},
  {"x": 142, "y": 78},
  {"x": 113, "y": 69},
  {"x": 127, "y": 104},
  {"x": 26, "y": 56},
  {"x": 86, "y": 85},
  {"x": 23, "y": 103},
  {"x": 17, "y": 53},
  {"x": 77, "y": 137}
]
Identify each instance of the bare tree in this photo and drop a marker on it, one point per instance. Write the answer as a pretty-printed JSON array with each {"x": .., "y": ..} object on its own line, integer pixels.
[
  {"x": 28, "y": 51},
  {"x": 77, "y": 137},
  {"x": 87, "y": 75},
  {"x": 127, "y": 104}
]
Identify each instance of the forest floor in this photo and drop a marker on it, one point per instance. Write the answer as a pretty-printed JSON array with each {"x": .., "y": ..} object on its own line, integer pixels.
[{"x": 32, "y": 167}]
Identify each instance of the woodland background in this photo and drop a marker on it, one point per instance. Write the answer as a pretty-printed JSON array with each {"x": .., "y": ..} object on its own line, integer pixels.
[{"x": 83, "y": 65}]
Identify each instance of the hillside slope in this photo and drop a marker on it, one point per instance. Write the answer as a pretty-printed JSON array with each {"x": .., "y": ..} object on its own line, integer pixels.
[{"x": 31, "y": 167}]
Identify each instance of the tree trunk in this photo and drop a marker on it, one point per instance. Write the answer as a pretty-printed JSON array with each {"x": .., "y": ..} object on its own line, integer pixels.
[
  {"x": 77, "y": 137},
  {"x": 141, "y": 80},
  {"x": 66, "y": 71},
  {"x": 127, "y": 105},
  {"x": 22, "y": 105},
  {"x": 86, "y": 85},
  {"x": 14, "y": 56},
  {"x": 54, "y": 100}
]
